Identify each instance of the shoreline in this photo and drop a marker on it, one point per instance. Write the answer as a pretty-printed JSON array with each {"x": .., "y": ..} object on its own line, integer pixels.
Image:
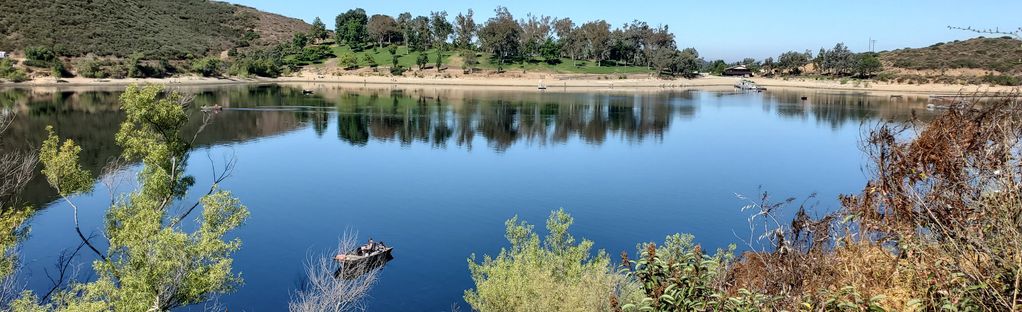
[{"x": 532, "y": 81}]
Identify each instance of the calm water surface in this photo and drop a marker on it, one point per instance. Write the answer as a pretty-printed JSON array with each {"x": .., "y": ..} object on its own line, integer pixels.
[{"x": 436, "y": 172}]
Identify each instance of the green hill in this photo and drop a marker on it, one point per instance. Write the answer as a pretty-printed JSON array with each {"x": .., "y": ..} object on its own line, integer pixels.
[
  {"x": 1003, "y": 55},
  {"x": 158, "y": 28}
]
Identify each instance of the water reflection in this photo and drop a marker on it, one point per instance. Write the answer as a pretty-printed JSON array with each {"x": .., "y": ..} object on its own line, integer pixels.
[{"x": 441, "y": 118}]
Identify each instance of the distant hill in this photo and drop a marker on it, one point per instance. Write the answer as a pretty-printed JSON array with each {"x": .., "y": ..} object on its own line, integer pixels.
[
  {"x": 1003, "y": 55},
  {"x": 158, "y": 28}
]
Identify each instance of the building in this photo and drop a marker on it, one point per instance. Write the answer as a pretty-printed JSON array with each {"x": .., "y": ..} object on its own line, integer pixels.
[{"x": 739, "y": 70}]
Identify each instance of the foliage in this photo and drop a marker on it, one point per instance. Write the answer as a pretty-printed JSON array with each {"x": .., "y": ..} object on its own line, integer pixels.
[
  {"x": 422, "y": 60},
  {"x": 150, "y": 264},
  {"x": 556, "y": 274},
  {"x": 349, "y": 61},
  {"x": 678, "y": 276},
  {"x": 160, "y": 29},
  {"x": 208, "y": 66},
  {"x": 1002, "y": 80},
  {"x": 9, "y": 72},
  {"x": 350, "y": 28},
  {"x": 500, "y": 36},
  {"x": 867, "y": 65},
  {"x": 993, "y": 54},
  {"x": 318, "y": 30}
]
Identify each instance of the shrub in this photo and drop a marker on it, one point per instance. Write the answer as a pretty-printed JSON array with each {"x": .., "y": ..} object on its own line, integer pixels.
[
  {"x": 10, "y": 73},
  {"x": 556, "y": 274},
  {"x": 349, "y": 61},
  {"x": 678, "y": 276},
  {"x": 208, "y": 67},
  {"x": 90, "y": 67},
  {"x": 1002, "y": 80}
]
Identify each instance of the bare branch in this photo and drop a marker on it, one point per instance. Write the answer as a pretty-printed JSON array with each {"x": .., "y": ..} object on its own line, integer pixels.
[{"x": 325, "y": 291}]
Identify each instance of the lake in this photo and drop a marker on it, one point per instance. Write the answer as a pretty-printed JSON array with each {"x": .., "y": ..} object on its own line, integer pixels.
[{"x": 435, "y": 172}]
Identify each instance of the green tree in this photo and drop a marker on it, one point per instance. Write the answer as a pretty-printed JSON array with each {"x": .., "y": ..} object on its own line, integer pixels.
[
  {"x": 349, "y": 61},
  {"x": 867, "y": 64},
  {"x": 464, "y": 29},
  {"x": 382, "y": 28},
  {"x": 318, "y": 30},
  {"x": 439, "y": 59},
  {"x": 555, "y": 274},
  {"x": 500, "y": 36},
  {"x": 440, "y": 29},
  {"x": 151, "y": 263},
  {"x": 350, "y": 28},
  {"x": 422, "y": 60}
]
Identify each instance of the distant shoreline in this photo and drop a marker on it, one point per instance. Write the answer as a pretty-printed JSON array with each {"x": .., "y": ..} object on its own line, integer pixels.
[{"x": 533, "y": 80}]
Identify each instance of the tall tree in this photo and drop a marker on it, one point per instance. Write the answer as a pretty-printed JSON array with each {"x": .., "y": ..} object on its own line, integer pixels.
[
  {"x": 351, "y": 28},
  {"x": 535, "y": 32},
  {"x": 792, "y": 62},
  {"x": 419, "y": 34},
  {"x": 404, "y": 23},
  {"x": 500, "y": 36},
  {"x": 597, "y": 39},
  {"x": 464, "y": 29},
  {"x": 440, "y": 28},
  {"x": 382, "y": 28},
  {"x": 318, "y": 30}
]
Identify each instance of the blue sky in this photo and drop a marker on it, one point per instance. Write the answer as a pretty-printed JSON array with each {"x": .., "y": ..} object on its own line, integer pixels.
[{"x": 726, "y": 29}]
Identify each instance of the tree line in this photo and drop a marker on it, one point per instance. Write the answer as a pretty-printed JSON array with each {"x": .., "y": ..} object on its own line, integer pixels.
[{"x": 534, "y": 38}]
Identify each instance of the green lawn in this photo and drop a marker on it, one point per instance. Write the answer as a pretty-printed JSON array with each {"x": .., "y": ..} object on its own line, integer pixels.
[{"x": 407, "y": 59}]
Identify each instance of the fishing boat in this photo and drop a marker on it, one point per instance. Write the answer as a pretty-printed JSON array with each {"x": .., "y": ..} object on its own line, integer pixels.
[
  {"x": 368, "y": 253},
  {"x": 541, "y": 85},
  {"x": 307, "y": 92},
  {"x": 748, "y": 85},
  {"x": 363, "y": 259},
  {"x": 214, "y": 108}
]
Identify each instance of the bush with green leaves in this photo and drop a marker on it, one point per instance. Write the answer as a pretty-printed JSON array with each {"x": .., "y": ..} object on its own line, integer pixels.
[
  {"x": 678, "y": 276},
  {"x": 208, "y": 67},
  {"x": 349, "y": 61},
  {"x": 11, "y": 73},
  {"x": 555, "y": 274},
  {"x": 151, "y": 262}
]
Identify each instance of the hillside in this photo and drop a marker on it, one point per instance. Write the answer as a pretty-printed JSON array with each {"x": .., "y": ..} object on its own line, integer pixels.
[
  {"x": 158, "y": 28},
  {"x": 1003, "y": 55}
]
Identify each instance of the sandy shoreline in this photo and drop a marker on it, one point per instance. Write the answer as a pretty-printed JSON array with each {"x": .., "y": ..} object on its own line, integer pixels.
[{"x": 531, "y": 81}]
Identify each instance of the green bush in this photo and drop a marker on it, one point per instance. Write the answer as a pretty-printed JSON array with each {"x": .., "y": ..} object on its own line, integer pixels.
[
  {"x": 678, "y": 276},
  {"x": 10, "y": 73},
  {"x": 556, "y": 274},
  {"x": 208, "y": 67},
  {"x": 1001, "y": 80}
]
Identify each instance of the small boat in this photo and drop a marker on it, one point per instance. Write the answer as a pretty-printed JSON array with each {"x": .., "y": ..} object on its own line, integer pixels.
[
  {"x": 748, "y": 85},
  {"x": 307, "y": 91},
  {"x": 805, "y": 98},
  {"x": 363, "y": 259},
  {"x": 370, "y": 252},
  {"x": 541, "y": 85},
  {"x": 214, "y": 108}
]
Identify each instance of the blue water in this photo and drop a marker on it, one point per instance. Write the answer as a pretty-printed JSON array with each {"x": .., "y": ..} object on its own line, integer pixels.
[{"x": 435, "y": 173}]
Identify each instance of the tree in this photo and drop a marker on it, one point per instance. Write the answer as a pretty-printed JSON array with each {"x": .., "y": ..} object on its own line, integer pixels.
[
  {"x": 839, "y": 60},
  {"x": 597, "y": 39},
  {"x": 419, "y": 34},
  {"x": 792, "y": 62},
  {"x": 500, "y": 36},
  {"x": 299, "y": 41},
  {"x": 151, "y": 263},
  {"x": 867, "y": 64},
  {"x": 382, "y": 28},
  {"x": 553, "y": 274},
  {"x": 464, "y": 29},
  {"x": 440, "y": 29},
  {"x": 535, "y": 31},
  {"x": 470, "y": 60},
  {"x": 351, "y": 28},
  {"x": 404, "y": 24},
  {"x": 439, "y": 59},
  {"x": 318, "y": 30},
  {"x": 422, "y": 60}
]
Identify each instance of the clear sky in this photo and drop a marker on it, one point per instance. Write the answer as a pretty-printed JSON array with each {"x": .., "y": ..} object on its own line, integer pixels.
[{"x": 729, "y": 30}]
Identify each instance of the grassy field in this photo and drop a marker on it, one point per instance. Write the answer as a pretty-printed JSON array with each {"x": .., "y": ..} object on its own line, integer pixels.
[{"x": 453, "y": 59}]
